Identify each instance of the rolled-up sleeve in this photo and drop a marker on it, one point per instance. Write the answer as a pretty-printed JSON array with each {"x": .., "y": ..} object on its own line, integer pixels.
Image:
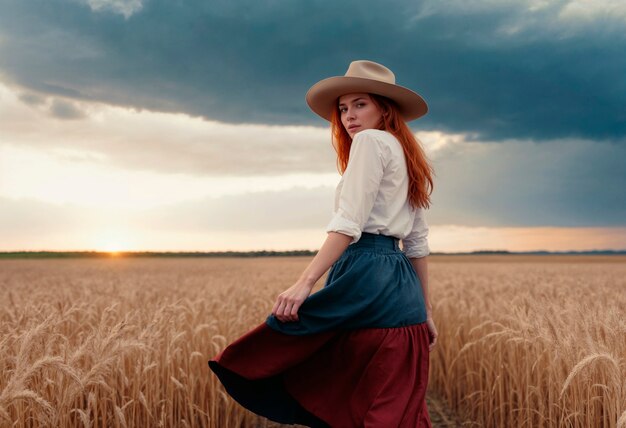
[
  {"x": 361, "y": 182},
  {"x": 415, "y": 245}
]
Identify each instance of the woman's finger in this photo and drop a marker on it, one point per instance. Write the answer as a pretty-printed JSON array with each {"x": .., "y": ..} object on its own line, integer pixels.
[
  {"x": 287, "y": 311},
  {"x": 294, "y": 311},
  {"x": 279, "y": 300},
  {"x": 279, "y": 309},
  {"x": 276, "y": 305}
]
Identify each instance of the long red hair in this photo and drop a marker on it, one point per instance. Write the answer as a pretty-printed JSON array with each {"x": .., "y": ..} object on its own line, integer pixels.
[{"x": 419, "y": 170}]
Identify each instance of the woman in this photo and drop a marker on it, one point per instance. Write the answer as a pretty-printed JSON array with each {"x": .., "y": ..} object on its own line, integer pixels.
[{"x": 355, "y": 353}]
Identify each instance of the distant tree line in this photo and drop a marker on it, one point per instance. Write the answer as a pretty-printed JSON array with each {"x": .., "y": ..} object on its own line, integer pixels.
[{"x": 261, "y": 253}]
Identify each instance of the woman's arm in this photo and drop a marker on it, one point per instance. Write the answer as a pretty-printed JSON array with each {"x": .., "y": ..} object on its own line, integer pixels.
[
  {"x": 361, "y": 181},
  {"x": 289, "y": 301},
  {"x": 420, "y": 265}
]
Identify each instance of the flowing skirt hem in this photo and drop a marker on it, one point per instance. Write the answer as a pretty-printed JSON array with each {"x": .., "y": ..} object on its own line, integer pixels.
[{"x": 371, "y": 377}]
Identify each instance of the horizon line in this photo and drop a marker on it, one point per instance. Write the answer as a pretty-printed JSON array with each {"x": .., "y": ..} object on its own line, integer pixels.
[{"x": 174, "y": 253}]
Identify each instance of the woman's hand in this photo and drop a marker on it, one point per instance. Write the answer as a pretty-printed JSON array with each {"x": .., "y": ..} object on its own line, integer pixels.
[
  {"x": 289, "y": 301},
  {"x": 432, "y": 333}
]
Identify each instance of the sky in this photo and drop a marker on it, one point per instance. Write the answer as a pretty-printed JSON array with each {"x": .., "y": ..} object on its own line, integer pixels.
[{"x": 171, "y": 125}]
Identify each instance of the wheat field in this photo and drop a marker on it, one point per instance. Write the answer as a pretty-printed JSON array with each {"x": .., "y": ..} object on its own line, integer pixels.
[{"x": 124, "y": 342}]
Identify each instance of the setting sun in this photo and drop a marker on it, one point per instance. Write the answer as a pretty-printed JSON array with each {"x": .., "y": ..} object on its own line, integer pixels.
[{"x": 112, "y": 242}]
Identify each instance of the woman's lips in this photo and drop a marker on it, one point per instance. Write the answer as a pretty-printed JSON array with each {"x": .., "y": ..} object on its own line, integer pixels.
[{"x": 351, "y": 127}]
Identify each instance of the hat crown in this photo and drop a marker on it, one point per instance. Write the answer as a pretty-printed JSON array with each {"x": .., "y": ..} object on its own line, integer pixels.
[{"x": 371, "y": 70}]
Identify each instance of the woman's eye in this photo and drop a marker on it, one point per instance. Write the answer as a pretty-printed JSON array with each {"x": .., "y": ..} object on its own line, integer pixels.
[{"x": 360, "y": 104}]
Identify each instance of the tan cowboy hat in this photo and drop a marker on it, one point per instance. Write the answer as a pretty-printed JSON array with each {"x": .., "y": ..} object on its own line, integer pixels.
[{"x": 364, "y": 76}]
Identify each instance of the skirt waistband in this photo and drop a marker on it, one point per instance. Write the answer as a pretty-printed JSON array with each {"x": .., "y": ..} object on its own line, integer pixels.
[{"x": 372, "y": 240}]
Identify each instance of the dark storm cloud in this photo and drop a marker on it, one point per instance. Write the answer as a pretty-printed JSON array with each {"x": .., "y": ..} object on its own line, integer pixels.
[{"x": 499, "y": 71}]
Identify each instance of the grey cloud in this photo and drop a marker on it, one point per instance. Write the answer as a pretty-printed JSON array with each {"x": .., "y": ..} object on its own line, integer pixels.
[
  {"x": 252, "y": 62},
  {"x": 216, "y": 155},
  {"x": 235, "y": 160},
  {"x": 564, "y": 184},
  {"x": 123, "y": 7},
  {"x": 32, "y": 99},
  {"x": 65, "y": 110}
]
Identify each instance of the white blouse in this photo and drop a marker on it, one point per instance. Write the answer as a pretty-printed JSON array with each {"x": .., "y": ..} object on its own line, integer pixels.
[{"x": 372, "y": 195}]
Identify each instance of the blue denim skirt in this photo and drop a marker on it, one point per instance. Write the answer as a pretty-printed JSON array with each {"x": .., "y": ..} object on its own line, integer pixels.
[{"x": 371, "y": 285}]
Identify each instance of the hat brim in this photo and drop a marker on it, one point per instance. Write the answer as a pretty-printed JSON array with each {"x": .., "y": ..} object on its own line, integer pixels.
[{"x": 322, "y": 97}]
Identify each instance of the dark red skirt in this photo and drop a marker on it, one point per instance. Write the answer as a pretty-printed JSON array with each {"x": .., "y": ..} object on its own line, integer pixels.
[{"x": 371, "y": 377}]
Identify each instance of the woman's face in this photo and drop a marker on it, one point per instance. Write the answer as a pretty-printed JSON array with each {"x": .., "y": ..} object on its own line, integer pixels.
[{"x": 358, "y": 112}]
